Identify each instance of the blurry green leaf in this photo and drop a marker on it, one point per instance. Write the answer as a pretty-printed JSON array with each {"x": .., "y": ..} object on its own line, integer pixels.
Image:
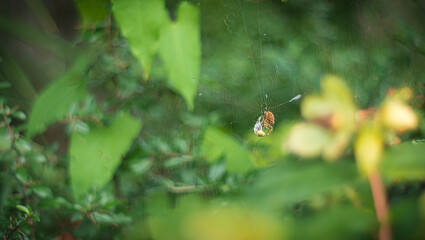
[
  {"x": 140, "y": 22},
  {"x": 92, "y": 11},
  {"x": 35, "y": 218},
  {"x": 406, "y": 219},
  {"x": 22, "y": 175},
  {"x": 19, "y": 115},
  {"x": 43, "y": 16},
  {"x": 96, "y": 155},
  {"x": 54, "y": 103},
  {"x": 216, "y": 171},
  {"x": 217, "y": 144},
  {"x": 169, "y": 218},
  {"x": 14, "y": 74},
  {"x": 160, "y": 145},
  {"x": 291, "y": 182},
  {"x": 23, "y": 145},
  {"x": 177, "y": 161},
  {"x": 23, "y": 209},
  {"x": 5, "y": 142},
  {"x": 158, "y": 204},
  {"x": 38, "y": 157},
  {"x": 33, "y": 35},
  {"x": 4, "y": 85},
  {"x": 42, "y": 191},
  {"x": 76, "y": 216},
  {"x": 337, "y": 223},
  {"x": 141, "y": 166},
  {"x": 111, "y": 218},
  {"x": 58, "y": 202},
  {"x": 80, "y": 126},
  {"x": 180, "y": 50},
  {"x": 404, "y": 161}
]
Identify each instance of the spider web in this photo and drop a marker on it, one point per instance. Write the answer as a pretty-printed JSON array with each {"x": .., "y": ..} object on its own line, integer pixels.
[{"x": 253, "y": 75}]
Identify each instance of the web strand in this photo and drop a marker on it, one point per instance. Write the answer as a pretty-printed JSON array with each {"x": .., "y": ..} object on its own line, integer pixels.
[
  {"x": 252, "y": 53},
  {"x": 291, "y": 100}
]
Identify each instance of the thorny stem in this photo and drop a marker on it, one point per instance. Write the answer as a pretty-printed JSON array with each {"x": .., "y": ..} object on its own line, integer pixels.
[{"x": 381, "y": 205}]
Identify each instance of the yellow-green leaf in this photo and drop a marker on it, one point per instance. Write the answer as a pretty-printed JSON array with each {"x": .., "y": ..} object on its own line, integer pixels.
[
  {"x": 141, "y": 22},
  {"x": 180, "y": 50},
  {"x": 96, "y": 155},
  {"x": 53, "y": 104},
  {"x": 217, "y": 144}
]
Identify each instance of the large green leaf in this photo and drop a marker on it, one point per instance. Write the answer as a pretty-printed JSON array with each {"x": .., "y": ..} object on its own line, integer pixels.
[
  {"x": 32, "y": 35},
  {"x": 92, "y": 11},
  {"x": 180, "y": 50},
  {"x": 53, "y": 104},
  {"x": 405, "y": 161},
  {"x": 217, "y": 144},
  {"x": 96, "y": 155},
  {"x": 341, "y": 222},
  {"x": 141, "y": 22},
  {"x": 291, "y": 181},
  {"x": 14, "y": 75}
]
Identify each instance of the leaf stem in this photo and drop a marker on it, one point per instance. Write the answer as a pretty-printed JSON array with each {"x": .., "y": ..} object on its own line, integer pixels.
[{"x": 381, "y": 205}]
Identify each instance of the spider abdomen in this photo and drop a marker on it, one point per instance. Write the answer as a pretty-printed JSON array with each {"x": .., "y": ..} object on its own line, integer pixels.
[{"x": 268, "y": 118}]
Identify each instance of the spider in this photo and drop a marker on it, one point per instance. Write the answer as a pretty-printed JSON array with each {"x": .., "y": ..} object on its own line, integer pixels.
[
  {"x": 264, "y": 121},
  {"x": 267, "y": 119}
]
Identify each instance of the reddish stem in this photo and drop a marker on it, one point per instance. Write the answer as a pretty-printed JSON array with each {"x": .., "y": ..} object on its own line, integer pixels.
[{"x": 381, "y": 205}]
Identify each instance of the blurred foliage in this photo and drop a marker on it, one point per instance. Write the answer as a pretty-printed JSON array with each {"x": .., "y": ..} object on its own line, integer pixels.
[{"x": 77, "y": 81}]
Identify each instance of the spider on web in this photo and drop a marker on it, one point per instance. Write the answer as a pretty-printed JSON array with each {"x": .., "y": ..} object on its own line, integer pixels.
[{"x": 267, "y": 120}]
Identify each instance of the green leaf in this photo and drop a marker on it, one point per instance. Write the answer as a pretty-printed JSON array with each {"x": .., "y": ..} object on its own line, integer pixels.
[
  {"x": 336, "y": 223},
  {"x": 35, "y": 218},
  {"x": 404, "y": 161},
  {"x": 5, "y": 142},
  {"x": 180, "y": 50},
  {"x": 23, "y": 209},
  {"x": 92, "y": 11},
  {"x": 42, "y": 191},
  {"x": 111, "y": 218},
  {"x": 296, "y": 181},
  {"x": 140, "y": 166},
  {"x": 96, "y": 155},
  {"x": 217, "y": 144},
  {"x": 13, "y": 74},
  {"x": 177, "y": 161},
  {"x": 5, "y": 85},
  {"x": 19, "y": 115},
  {"x": 22, "y": 145},
  {"x": 141, "y": 22},
  {"x": 22, "y": 175},
  {"x": 55, "y": 203},
  {"x": 80, "y": 126},
  {"x": 54, "y": 103}
]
